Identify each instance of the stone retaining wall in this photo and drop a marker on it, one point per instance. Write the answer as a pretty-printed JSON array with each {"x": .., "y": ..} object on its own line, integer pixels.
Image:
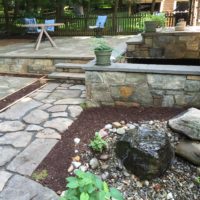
[
  {"x": 169, "y": 45},
  {"x": 142, "y": 89},
  {"x": 33, "y": 65}
]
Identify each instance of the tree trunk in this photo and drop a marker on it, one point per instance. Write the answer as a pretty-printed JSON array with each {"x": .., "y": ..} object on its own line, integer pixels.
[
  {"x": 6, "y": 15},
  {"x": 87, "y": 14},
  {"x": 153, "y": 6},
  {"x": 59, "y": 11},
  {"x": 114, "y": 19},
  {"x": 16, "y": 9},
  {"x": 129, "y": 7}
]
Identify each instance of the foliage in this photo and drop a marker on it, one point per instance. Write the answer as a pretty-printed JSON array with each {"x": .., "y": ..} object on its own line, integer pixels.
[
  {"x": 98, "y": 144},
  {"x": 101, "y": 45},
  {"x": 87, "y": 186},
  {"x": 40, "y": 175},
  {"x": 197, "y": 180},
  {"x": 160, "y": 18}
]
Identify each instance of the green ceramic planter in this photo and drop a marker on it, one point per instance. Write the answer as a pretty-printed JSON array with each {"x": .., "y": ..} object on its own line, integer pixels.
[{"x": 103, "y": 57}]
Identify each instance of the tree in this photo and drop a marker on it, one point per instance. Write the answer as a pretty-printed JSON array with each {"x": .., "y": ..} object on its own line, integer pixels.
[{"x": 153, "y": 6}]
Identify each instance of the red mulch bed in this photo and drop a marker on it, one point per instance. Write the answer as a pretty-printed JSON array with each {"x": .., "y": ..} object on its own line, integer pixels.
[
  {"x": 20, "y": 93},
  {"x": 90, "y": 121}
]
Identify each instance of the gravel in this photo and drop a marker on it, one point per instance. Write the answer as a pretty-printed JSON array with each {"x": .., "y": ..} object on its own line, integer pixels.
[{"x": 178, "y": 183}]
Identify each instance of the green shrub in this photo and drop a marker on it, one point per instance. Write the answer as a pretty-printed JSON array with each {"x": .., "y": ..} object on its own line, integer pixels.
[
  {"x": 159, "y": 18},
  {"x": 98, "y": 144},
  {"x": 87, "y": 186}
]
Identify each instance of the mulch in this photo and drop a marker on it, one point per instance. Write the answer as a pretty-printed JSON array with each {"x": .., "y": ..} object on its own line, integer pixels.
[
  {"x": 22, "y": 92},
  {"x": 90, "y": 121}
]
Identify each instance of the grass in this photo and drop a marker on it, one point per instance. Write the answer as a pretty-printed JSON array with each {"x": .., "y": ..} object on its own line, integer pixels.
[{"x": 40, "y": 175}]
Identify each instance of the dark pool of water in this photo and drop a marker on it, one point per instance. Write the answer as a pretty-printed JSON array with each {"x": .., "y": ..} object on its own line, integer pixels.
[{"x": 193, "y": 62}]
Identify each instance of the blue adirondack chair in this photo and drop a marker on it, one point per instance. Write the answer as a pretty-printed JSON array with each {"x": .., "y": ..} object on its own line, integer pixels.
[
  {"x": 50, "y": 21},
  {"x": 100, "y": 24},
  {"x": 31, "y": 29}
]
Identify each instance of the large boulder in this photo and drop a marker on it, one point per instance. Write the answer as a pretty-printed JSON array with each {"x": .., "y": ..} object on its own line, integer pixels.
[
  {"x": 187, "y": 123},
  {"x": 189, "y": 150},
  {"x": 145, "y": 152}
]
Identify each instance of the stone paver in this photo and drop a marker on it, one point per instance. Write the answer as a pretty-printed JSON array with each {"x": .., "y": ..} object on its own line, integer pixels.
[
  {"x": 49, "y": 134},
  {"x": 29, "y": 129},
  {"x": 71, "y": 101},
  {"x": 7, "y": 153},
  {"x": 58, "y": 108},
  {"x": 60, "y": 124},
  {"x": 20, "y": 109},
  {"x": 34, "y": 127},
  {"x": 4, "y": 176},
  {"x": 17, "y": 139},
  {"x": 22, "y": 188},
  {"x": 11, "y": 126},
  {"x": 75, "y": 110},
  {"x": 36, "y": 117},
  {"x": 9, "y": 84},
  {"x": 27, "y": 161}
]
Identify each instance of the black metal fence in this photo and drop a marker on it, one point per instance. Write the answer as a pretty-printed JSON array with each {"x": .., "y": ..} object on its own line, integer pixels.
[{"x": 79, "y": 26}]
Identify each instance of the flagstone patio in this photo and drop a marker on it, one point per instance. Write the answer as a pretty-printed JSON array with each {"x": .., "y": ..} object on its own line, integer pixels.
[{"x": 28, "y": 131}]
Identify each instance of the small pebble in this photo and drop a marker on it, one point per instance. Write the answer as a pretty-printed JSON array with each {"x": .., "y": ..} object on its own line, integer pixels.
[
  {"x": 105, "y": 175},
  {"x": 116, "y": 124},
  {"x": 121, "y": 131},
  {"x": 76, "y": 158},
  {"x": 198, "y": 171},
  {"x": 170, "y": 196},
  {"x": 104, "y": 167},
  {"x": 146, "y": 183},
  {"x": 77, "y": 140},
  {"x": 94, "y": 163},
  {"x": 108, "y": 126},
  {"x": 103, "y": 133},
  {"x": 83, "y": 168},
  {"x": 71, "y": 168},
  {"x": 104, "y": 157},
  {"x": 76, "y": 164}
]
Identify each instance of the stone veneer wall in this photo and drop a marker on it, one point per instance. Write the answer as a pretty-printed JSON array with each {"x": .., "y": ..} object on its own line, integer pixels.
[
  {"x": 33, "y": 65},
  {"x": 142, "y": 89},
  {"x": 170, "y": 45}
]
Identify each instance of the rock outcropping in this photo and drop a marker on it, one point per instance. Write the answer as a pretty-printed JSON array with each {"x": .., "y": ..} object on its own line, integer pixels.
[{"x": 146, "y": 153}]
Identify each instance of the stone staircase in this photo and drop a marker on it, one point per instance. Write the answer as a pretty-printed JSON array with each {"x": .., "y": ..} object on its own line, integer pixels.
[{"x": 69, "y": 72}]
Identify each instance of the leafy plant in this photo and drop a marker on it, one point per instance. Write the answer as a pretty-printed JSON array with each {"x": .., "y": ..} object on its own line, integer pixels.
[
  {"x": 87, "y": 186},
  {"x": 101, "y": 45},
  {"x": 40, "y": 175},
  {"x": 197, "y": 180},
  {"x": 159, "y": 18},
  {"x": 98, "y": 143}
]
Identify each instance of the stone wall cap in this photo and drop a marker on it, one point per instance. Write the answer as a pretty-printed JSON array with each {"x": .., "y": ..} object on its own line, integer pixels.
[
  {"x": 194, "y": 30},
  {"x": 146, "y": 68},
  {"x": 136, "y": 39}
]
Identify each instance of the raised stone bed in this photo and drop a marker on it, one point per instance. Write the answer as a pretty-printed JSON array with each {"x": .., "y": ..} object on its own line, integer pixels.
[
  {"x": 166, "y": 43},
  {"x": 143, "y": 85}
]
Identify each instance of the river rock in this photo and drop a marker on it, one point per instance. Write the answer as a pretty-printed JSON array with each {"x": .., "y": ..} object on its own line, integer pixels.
[
  {"x": 187, "y": 123},
  {"x": 145, "y": 152},
  {"x": 190, "y": 150}
]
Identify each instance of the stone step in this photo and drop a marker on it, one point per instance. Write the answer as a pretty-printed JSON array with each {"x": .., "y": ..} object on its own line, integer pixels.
[
  {"x": 70, "y": 77},
  {"x": 70, "y": 67}
]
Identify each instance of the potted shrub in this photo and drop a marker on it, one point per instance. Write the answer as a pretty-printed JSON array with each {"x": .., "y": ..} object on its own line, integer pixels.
[
  {"x": 103, "y": 52},
  {"x": 151, "y": 22}
]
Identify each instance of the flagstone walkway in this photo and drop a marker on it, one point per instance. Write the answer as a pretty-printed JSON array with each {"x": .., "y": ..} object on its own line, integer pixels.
[{"x": 28, "y": 131}]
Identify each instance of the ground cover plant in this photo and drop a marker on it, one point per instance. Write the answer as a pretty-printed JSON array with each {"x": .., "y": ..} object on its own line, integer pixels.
[{"x": 87, "y": 186}]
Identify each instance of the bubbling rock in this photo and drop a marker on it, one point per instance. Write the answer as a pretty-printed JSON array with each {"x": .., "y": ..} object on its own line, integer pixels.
[{"x": 145, "y": 152}]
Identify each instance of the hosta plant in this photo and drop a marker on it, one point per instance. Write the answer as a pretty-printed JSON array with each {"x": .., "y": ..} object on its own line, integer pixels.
[{"x": 87, "y": 186}]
